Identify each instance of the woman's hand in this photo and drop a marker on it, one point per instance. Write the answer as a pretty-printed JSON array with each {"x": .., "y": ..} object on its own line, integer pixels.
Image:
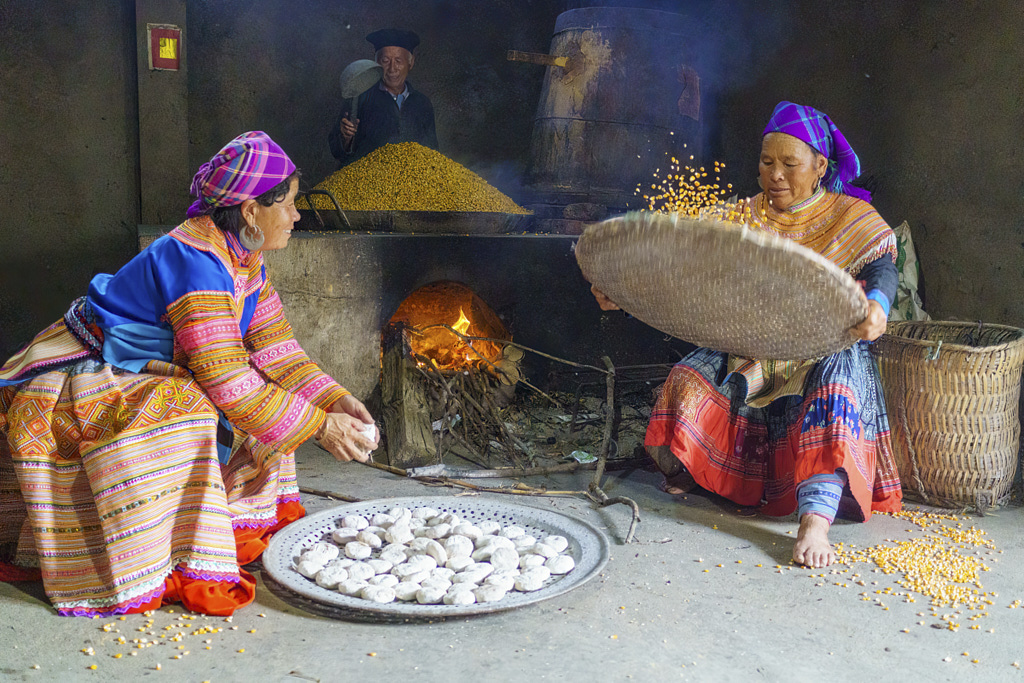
[
  {"x": 350, "y": 405},
  {"x": 342, "y": 435},
  {"x": 873, "y": 326},
  {"x": 603, "y": 301}
]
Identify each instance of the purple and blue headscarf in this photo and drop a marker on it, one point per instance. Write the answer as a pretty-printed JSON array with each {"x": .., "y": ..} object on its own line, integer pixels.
[
  {"x": 246, "y": 167},
  {"x": 817, "y": 130}
]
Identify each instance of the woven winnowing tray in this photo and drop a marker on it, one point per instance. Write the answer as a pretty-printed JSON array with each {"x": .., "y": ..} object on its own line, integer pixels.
[{"x": 723, "y": 285}]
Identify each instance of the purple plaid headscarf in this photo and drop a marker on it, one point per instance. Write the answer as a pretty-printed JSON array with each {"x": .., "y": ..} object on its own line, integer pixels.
[
  {"x": 246, "y": 167},
  {"x": 818, "y": 131}
]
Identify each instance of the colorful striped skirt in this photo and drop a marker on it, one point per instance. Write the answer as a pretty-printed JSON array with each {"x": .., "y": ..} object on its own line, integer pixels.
[
  {"x": 110, "y": 485},
  {"x": 757, "y": 456}
]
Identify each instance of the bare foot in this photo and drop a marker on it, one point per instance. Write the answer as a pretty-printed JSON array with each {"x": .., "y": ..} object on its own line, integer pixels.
[
  {"x": 671, "y": 490},
  {"x": 678, "y": 484},
  {"x": 812, "y": 548}
]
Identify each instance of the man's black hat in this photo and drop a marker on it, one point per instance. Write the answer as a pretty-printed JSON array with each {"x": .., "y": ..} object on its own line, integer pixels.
[{"x": 393, "y": 36}]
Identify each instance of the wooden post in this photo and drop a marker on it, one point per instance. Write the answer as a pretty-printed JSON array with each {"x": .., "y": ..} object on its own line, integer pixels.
[{"x": 407, "y": 428}]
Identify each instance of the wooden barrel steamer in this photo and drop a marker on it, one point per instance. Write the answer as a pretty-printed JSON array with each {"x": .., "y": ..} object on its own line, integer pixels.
[
  {"x": 625, "y": 103},
  {"x": 952, "y": 391}
]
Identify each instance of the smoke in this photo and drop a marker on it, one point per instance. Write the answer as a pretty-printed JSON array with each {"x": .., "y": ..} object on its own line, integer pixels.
[
  {"x": 506, "y": 176},
  {"x": 731, "y": 44}
]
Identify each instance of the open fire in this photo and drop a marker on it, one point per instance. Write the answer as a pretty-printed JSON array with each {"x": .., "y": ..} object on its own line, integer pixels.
[{"x": 431, "y": 310}]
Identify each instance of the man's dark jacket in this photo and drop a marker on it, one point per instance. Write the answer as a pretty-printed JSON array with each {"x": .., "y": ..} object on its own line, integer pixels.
[{"x": 381, "y": 122}]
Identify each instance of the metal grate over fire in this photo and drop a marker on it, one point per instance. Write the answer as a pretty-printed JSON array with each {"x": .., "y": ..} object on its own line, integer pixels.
[{"x": 458, "y": 394}]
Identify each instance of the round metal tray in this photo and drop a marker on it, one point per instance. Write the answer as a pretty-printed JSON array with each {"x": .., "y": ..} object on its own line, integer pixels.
[{"x": 588, "y": 546}]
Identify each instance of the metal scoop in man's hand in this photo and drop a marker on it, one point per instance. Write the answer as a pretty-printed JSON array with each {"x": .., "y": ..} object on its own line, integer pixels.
[{"x": 357, "y": 78}]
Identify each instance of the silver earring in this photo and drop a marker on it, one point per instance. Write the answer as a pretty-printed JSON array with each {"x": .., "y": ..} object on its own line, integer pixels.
[
  {"x": 760, "y": 183},
  {"x": 251, "y": 237},
  {"x": 817, "y": 184}
]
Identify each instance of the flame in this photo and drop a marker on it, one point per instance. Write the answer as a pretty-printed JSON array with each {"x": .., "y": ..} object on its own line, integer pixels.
[
  {"x": 429, "y": 310},
  {"x": 448, "y": 351},
  {"x": 462, "y": 324}
]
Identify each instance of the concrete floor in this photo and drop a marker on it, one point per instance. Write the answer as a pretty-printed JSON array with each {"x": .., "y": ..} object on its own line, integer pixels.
[{"x": 653, "y": 614}]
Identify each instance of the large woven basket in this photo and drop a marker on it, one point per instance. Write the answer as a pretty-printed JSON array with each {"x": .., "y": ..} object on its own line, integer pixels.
[{"x": 952, "y": 392}]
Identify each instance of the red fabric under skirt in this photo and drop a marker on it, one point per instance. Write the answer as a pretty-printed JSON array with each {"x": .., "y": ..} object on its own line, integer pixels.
[
  {"x": 757, "y": 456},
  {"x": 216, "y": 598}
]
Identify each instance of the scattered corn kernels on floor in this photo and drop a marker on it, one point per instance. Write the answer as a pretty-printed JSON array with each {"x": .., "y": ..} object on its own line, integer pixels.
[
  {"x": 410, "y": 177},
  {"x": 945, "y": 567}
]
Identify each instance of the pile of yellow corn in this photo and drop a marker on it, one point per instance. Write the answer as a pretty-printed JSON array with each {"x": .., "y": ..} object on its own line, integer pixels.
[{"x": 410, "y": 177}]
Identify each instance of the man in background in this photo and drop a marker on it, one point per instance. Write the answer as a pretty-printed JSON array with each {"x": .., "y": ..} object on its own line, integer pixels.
[{"x": 391, "y": 111}]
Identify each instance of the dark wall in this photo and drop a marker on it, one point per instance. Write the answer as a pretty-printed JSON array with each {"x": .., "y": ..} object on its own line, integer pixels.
[
  {"x": 929, "y": 95},
  {"x": 274, "y": 65},
  {"x": 69, "y": 204}
]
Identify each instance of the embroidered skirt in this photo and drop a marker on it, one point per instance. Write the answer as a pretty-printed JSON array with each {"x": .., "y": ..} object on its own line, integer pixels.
[
  {"x": 110, "y": 484},
  {"x": 757, "y": 456}
]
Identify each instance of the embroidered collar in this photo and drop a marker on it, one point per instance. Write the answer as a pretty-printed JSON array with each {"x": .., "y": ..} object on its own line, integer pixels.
[
  {"x": 807, "y": 203},
  {"x": 201, "y": 233},
  {"x": 235, "y": 246}
]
